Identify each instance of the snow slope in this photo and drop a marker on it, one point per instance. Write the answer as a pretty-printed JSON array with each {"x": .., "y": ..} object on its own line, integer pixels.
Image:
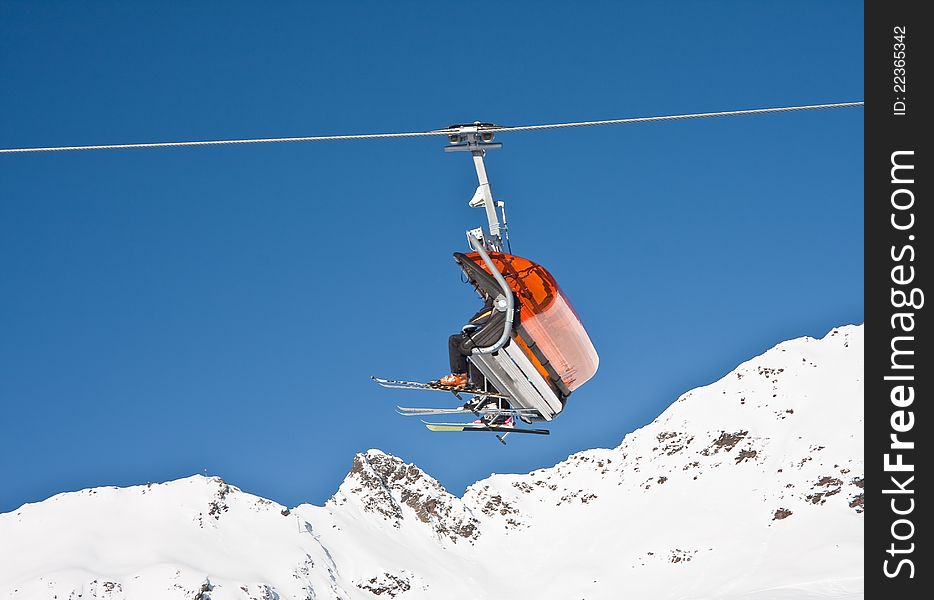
[{"x": 750, "y": 487}]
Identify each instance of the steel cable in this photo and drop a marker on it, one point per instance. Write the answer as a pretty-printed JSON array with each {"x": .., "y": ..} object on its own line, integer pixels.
[{"x": 437, "y": 132}]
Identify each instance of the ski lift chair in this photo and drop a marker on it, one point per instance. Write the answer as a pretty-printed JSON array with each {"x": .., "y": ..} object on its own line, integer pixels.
[{"x": 547, "y": 353}]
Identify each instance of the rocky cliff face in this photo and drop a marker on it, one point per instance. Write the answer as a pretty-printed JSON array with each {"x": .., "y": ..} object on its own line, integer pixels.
[
  {"x": 380, "y": 484},
  {"x": 750, "y": 487}
]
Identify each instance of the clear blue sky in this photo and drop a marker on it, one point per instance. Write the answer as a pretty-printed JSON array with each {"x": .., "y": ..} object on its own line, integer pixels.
[{"x": 163, "y": 312}]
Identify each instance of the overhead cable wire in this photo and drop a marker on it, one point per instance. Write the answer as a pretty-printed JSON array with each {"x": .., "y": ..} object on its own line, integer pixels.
[
  {"x": 312, "y": 138},
  {"x": 437, "y": 132},
  {"x": 728, "y": 113}
]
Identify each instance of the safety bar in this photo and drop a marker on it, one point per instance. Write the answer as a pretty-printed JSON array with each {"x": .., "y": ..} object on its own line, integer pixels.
[{"x": 507, "y": 293}]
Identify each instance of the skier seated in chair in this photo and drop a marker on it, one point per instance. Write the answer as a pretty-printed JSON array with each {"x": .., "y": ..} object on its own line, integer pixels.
[
  {"x": 459, "y": 347},
  {"x": 464, "y": 374}
]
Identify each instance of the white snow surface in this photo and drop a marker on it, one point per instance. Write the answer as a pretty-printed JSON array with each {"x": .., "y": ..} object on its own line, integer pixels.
[{"x": 750, "y": 487}]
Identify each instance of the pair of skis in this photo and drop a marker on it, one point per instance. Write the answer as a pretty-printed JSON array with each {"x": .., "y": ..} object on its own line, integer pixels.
[{"x": 484, "y": 412}]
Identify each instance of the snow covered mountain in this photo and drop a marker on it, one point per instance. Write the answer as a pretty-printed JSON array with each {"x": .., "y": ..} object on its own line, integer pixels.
[{"x": 751, "y": 487}]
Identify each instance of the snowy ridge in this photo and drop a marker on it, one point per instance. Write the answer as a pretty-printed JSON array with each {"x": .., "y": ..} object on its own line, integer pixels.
[
  {"x": 750, "y": 487},
  {"x": 382, "y": 484}
]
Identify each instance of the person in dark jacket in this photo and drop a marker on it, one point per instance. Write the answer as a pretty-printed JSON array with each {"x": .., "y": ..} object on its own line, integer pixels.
[
  {"x": 456, "y": 346},
  {"x": 463, "y": 373}
]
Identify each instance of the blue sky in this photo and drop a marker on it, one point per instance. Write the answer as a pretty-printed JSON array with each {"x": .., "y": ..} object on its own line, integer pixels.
[{"x": 219, "y": 310}]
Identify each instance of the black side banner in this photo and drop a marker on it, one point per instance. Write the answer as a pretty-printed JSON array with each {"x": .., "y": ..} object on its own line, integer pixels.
[{"x": 899, "y": 369}]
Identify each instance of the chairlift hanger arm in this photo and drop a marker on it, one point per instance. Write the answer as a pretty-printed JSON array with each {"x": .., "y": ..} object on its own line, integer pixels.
[{"x": 506, "y": 302}]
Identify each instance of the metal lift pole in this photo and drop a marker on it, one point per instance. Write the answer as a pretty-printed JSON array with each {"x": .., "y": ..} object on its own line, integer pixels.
[
  {"x": 485, "y": 193},
  {"x": 471, "y": 138}
]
